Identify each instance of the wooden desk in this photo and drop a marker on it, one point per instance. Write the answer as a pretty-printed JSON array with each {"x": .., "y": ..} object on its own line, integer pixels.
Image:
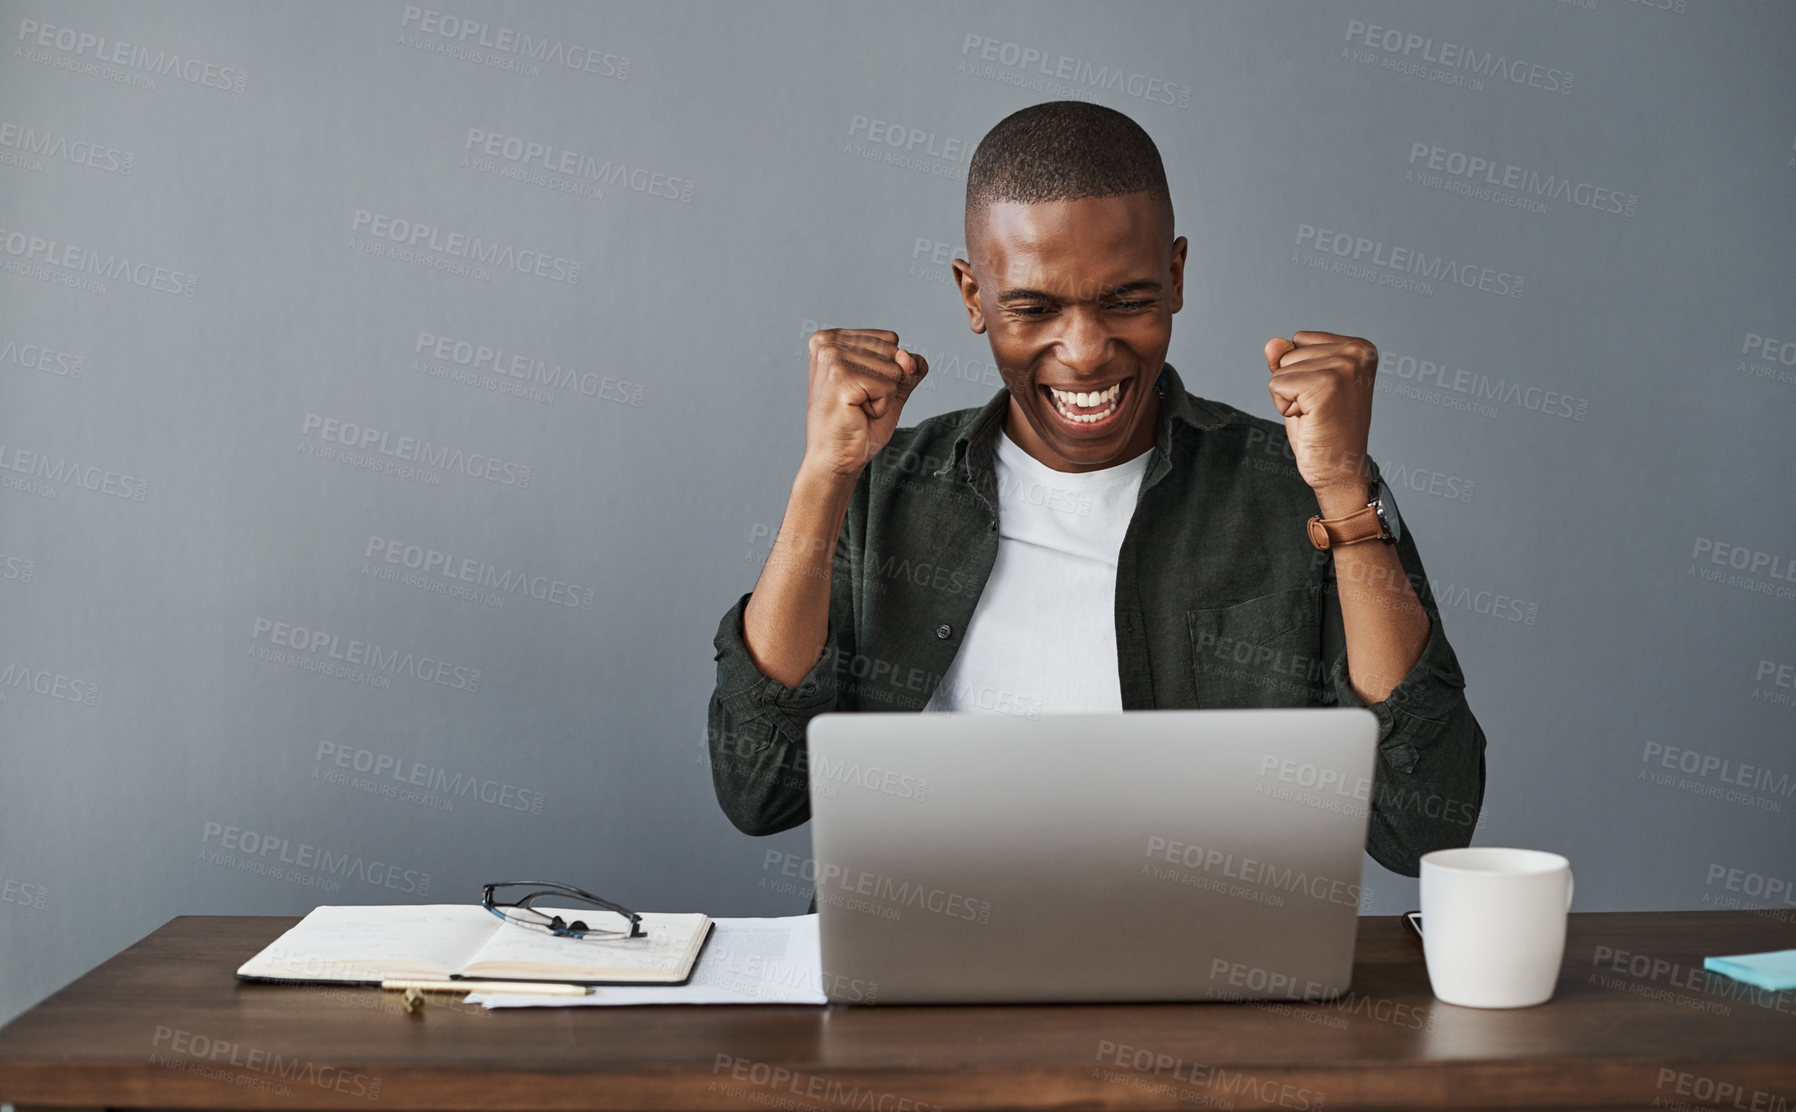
[{"x": 1634, "y": 1023}]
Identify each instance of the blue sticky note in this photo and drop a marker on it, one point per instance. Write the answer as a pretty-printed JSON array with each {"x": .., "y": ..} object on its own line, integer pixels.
[{"x": 1774, "y": 969}]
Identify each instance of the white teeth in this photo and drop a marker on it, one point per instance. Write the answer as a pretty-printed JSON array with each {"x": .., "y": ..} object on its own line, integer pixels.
[
  {"x": 1063, "y": 398},
  {"x": 1087, "y": 397}
]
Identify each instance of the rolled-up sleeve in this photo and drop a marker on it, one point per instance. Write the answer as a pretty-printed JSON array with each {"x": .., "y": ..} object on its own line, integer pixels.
[
  {"x": 1428, "y": 783},
  {"x": 756, "y": 731},
  {"x": 755, "y": 725}
]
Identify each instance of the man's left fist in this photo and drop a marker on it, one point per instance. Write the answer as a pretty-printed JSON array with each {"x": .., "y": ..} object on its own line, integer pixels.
[{"x": 1322, "y": 385}]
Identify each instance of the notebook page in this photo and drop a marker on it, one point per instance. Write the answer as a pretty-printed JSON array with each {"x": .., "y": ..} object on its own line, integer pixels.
[
  {"x": 670, "y": 939},
  {"x": 343, "y": 943}
]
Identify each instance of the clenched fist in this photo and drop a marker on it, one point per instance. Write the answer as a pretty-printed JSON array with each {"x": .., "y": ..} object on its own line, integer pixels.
[
  {"x": 860, "y": 379},
  {"x": 1322, "y": 385}
]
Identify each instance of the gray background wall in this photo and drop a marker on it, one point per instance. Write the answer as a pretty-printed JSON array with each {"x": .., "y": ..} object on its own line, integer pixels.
[{"x": 202, "y": 280}]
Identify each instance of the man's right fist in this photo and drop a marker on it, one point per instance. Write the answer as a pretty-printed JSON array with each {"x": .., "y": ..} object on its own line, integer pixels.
[{"x": 860, "y": 379}]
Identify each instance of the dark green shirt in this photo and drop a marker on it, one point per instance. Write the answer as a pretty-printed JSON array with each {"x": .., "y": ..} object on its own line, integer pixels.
[{"x": 1221, "y": 601}]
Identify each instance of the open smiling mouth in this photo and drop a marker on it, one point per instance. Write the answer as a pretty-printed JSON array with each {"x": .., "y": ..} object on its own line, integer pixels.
[{"x": 1088, "y": 411}]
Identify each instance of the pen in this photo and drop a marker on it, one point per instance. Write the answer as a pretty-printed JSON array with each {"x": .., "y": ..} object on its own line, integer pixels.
[{"x": 534, "y": 989}]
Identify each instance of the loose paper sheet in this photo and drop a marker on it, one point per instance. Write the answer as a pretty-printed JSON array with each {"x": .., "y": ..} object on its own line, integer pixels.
[{"x": 747, "y": 961}]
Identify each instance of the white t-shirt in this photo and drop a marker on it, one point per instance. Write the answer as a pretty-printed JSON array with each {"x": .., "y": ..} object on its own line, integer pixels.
[{"x": 1042, "y": 639}]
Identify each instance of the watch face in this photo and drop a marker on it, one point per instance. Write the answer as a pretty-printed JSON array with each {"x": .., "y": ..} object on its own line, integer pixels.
[{"x": 1387, "y": 511}]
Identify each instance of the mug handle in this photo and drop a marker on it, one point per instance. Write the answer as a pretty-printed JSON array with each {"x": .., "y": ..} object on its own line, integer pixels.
[{"x": 1569, "y": 884}]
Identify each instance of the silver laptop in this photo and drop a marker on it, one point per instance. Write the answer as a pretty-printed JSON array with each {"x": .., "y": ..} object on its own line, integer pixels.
[{"x": 1140, "y": 855}]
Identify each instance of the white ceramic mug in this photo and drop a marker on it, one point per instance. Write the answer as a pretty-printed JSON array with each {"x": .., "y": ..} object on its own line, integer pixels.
[{"x": 1493, "y": 924}]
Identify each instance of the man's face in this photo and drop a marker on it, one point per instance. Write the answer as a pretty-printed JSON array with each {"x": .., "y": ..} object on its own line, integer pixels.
[{"x": 1077, "y": 297}]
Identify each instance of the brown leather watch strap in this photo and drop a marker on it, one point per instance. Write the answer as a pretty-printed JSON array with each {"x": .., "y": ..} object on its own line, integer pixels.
[{"x": 1361, "y": 525}]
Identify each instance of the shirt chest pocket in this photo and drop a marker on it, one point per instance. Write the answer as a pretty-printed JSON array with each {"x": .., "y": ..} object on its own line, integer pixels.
[{"x": 1265, "y": 652}]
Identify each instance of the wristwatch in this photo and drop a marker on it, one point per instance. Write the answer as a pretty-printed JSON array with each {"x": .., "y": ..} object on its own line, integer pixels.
[{"x": 1377, "y": 522}]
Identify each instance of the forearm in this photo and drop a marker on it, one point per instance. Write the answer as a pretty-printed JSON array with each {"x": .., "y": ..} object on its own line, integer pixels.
[
  {"x": 1428, "y": 785},
  {"x": 786, "y": 623},
  {"x": 1381, "y": 617}
]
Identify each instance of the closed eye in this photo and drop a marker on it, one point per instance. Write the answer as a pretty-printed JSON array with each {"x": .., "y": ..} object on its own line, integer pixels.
[{"x": 1043, "y": 310}]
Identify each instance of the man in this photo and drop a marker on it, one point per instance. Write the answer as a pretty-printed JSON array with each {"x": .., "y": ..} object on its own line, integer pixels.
[{"x": 1094, "y": 537}]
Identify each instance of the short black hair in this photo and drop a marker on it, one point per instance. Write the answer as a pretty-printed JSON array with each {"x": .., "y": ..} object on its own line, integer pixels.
[{"x": 1062, "y": 150}]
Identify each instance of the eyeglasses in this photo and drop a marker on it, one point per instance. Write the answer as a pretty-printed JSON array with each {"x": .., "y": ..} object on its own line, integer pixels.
[{"x": 512, "y": 900}]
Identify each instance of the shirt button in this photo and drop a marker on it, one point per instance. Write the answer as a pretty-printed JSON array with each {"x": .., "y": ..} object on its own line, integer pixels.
[{"x": 943, "y": 631}]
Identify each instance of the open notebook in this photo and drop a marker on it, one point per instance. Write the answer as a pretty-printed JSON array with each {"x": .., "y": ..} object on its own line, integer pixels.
[{"x": 363, "y": 945}]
